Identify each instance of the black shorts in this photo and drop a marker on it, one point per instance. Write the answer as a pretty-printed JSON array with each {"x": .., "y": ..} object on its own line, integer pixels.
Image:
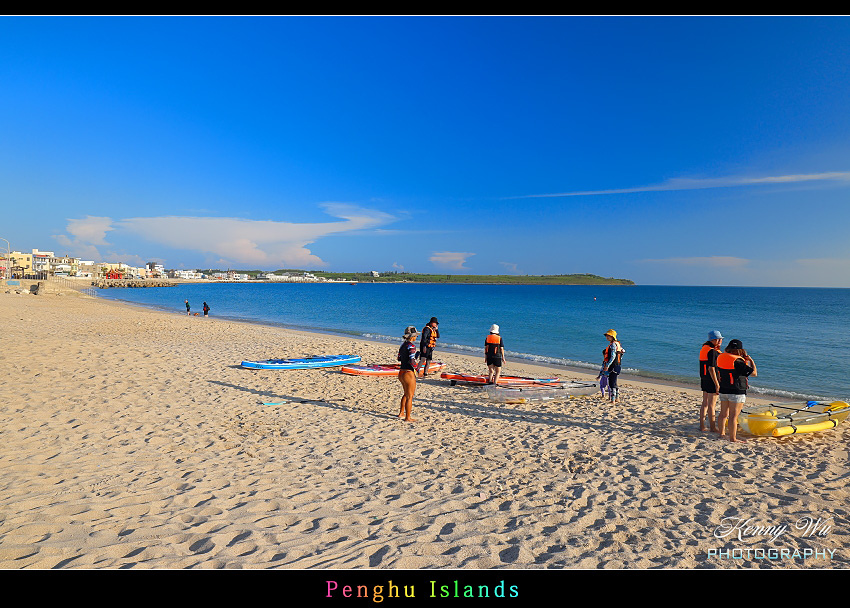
[
  {"x": 497, "y": 361},
  {"x": 707, "y": 385},
  {"x": 426, "y": 353}
]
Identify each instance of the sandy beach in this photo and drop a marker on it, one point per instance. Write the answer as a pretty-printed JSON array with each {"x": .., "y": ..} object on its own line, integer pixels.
[{"x": 132, "y": 438}]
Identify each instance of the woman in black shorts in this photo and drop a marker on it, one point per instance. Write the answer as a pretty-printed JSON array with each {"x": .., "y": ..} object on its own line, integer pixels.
[{"x": 494, "y": 354}]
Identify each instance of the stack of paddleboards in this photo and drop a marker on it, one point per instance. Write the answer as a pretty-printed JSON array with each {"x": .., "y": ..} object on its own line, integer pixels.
[
  {"x": 539, "y": 392},
  {"x": 503, "y": 380},
  {"x": 305, "y": 363},
  {"x": 792, "y": 418},
  {"x": 385, "y": 370}
]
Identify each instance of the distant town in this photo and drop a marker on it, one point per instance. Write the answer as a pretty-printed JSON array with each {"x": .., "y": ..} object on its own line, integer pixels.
[
  {"x": 45, "y": 264},
  {"x": 42, "y": 264}
]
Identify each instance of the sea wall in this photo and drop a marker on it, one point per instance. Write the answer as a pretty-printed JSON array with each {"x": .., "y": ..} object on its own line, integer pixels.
[{"x": 105, "y": 283}]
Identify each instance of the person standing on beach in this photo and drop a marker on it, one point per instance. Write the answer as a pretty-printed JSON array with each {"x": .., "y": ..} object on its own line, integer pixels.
[
  {"x": 708, "y": 379},
  {"x": 430, "y": 333},
  {"x": 187, "y": 308},
  {"x": 206, "y": 310},
  {"x": 733, "y": 368},
  {"x": 494, "y": 354},
  {"x": 407, "y": 373},
  {"x": 611, "y": 357}
]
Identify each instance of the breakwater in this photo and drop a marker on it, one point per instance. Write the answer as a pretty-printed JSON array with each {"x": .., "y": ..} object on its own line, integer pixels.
[{"x": 105, "y": 283}]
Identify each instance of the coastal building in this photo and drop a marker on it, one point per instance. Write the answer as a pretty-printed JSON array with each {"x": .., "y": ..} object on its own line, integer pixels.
[
  {"x": 41, "y": 261},
  {"x": 187, "y": 275},
  {"x": 64, "y": 265},
  {"x": 20, "y": 264},
  {"x": 155, "y": 271}
]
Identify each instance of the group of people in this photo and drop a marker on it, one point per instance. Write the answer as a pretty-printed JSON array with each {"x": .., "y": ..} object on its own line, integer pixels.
[
  {"x": 494, "y": 357},
  {"x": 189, "y": 309},
  {"x": 724, "y": 374}
]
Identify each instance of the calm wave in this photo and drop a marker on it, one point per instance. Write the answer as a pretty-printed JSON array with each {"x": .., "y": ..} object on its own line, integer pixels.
[{"x": 795, "y": 335}]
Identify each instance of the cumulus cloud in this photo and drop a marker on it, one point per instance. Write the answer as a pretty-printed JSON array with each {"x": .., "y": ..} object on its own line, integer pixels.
[
  {"x": 258, "y": 243},
  {"x": 86, "y": 235},
  {"x": 450, "y": 259},
  {"x": 510, "y": 267},
  {"x": 699, "y": 184}
]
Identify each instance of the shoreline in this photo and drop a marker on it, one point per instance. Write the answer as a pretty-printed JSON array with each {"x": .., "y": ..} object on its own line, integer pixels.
[
  {"x": 132, "y": 438},
  {"x": 537, "y": 369}
]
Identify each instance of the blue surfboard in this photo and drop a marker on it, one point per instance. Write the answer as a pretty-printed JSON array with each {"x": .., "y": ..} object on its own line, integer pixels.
[{"x": 305, "y": 363}]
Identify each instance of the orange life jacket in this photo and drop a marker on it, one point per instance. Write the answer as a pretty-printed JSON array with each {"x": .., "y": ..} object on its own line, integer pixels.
[
  {"x": 726, "y": 372},
  {"x": 432, "y": 337},
  {"x": 618, "y": 354},
  {"x": 703, "y": 358},
  {"x": 492, "y": 344}
]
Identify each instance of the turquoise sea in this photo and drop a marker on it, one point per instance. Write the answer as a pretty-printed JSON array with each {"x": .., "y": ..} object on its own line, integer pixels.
[{"x": 795, "y": 335}]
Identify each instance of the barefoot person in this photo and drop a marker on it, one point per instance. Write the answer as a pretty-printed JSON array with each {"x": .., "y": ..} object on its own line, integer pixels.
[
  {"x": 430, "y": 333},
  {"x": 188, "y": 312},
  {"x": 733, "y": 367},
  {"x": 611, "y": 357},
  {"x": 407, "y": 374},
  {"x": 494, "y": 354},
  {"x": 708, "y": 379}
]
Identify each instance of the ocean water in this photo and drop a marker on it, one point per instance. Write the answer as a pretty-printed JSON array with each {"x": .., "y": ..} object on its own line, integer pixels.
[{"x": 795, "y": 335}]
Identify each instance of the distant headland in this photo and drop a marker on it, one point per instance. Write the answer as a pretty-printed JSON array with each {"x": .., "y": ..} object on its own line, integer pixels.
[{"x": 412, "y": 277}]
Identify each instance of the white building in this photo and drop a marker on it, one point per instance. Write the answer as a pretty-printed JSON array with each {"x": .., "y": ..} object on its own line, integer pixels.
[{"x": 188, "y": 275}]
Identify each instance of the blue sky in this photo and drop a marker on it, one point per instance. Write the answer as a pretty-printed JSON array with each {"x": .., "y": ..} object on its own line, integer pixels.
[{"x": 693, "y": 150}]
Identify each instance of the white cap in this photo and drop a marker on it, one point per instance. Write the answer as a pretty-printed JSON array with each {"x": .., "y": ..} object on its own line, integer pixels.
[{"x": 494, "y": 329}]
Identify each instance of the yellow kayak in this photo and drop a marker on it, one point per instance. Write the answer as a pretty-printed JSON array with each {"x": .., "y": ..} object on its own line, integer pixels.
[{"x": 778, "y": 420}]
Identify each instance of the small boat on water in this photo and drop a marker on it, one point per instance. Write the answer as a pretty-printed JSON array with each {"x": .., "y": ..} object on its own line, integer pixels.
[{"x": 778, "y": 420}]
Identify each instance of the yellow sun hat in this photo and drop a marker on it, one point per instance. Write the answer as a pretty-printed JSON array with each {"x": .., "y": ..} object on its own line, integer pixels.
[{"x": 611, "y": 333}]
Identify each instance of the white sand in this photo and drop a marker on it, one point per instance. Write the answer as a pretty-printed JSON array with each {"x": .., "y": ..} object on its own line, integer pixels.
[{"x": 133, "y": 438}]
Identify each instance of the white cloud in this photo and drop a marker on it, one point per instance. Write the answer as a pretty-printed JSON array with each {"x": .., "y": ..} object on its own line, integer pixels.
[
  {"x": 261, "y": 243},
  {"x": 91, "y": 229},
  {"x": 510, "y": 267},
  {"x": 450, "y": 259},
  {"x": 699, "y": 184},
  {"x": 87, "y": 234}
]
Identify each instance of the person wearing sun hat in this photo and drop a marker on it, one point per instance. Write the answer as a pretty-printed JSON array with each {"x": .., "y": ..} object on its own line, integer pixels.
[
  {"x": 708, "y": 379},
  {"x": 494, "y": 354},
  {"x": 611, "y": 357},
  {"x": 407, "y": 355}
]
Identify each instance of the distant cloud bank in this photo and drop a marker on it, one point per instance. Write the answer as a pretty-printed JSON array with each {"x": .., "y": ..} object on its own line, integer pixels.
[
  {"x": 715, "y": 261},
  {"x": 259, "y": 243},
  {"x": 453, "y": 260}
]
